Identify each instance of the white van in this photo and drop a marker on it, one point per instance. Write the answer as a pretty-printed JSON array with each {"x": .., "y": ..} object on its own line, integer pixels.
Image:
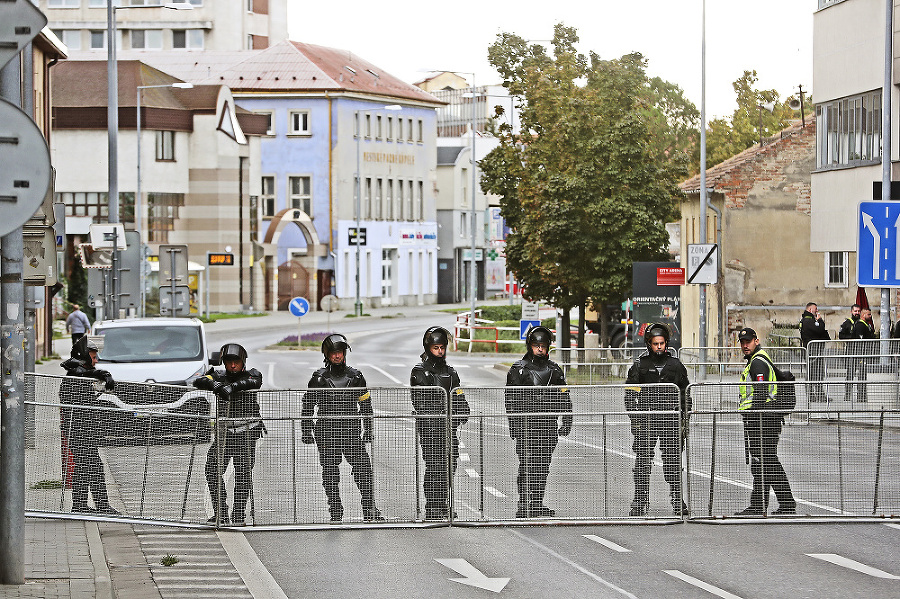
[{"x": 156, "y": 350}]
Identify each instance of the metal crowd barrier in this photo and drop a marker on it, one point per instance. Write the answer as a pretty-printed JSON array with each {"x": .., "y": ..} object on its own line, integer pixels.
[
  {"x": 726, "y": 363},
  {"x": 596, "y": 365},
  {"x": 154, "y": 446},
  {"x": 851, "y": 360}
]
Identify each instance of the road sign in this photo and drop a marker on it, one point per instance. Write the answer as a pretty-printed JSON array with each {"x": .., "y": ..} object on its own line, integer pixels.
[
  {"x": 182, "y": 301},
  {"x": 173, "y": 264},
  {"x": 527, "y": 325},
  {"x": 299, "y": 306},
  {"x": 669, "y": 276},
  {"x": 351, "y": 236},
  {"x": 25, "y": 176},
  {"x": 104, "y": 235},
  {"x": 220, "y": 259},
  {"x": 20, "y": 22},
  {"x": 703, "y": 263},
  {"x": 530, "y": 310},
  {"x": 878, "y": 245}
]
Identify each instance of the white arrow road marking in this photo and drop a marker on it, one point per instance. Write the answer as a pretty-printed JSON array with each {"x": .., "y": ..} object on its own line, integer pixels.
[
  {"x": 897, "y": 242},
  {"x": 876, "y": 249},
  {"x": 495, "y": 492},
  {"x": 700, "y": 584},
  {"x": 846, "y": 562},
  {"x": 607, "y": 543},
  {"x": 270, "y": 375},
  {"x": 472, "y": 576}
]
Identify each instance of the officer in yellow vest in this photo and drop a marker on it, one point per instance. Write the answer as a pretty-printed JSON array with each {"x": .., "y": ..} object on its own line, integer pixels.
[{"x": 762, "y": 428}]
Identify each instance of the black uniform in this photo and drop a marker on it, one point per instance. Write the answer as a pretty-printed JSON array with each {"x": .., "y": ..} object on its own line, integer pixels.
[
  {"x": 81, "y": 430},
  {"x": 239, "y": 426},
  {"x": 851, "y": 363},
  {"x": 862, "y": 330},
  {"x": 536, "y": 436},
  {"x": 813, "y": 329},
  {"x": 650, "y": 428},
  {"x": 762, "y": 429},
  {"x": 341, "y": 391},
  {"x": 432, "y": 432}
]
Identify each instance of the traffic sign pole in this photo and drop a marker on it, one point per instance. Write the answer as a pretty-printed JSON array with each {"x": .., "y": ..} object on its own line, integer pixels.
[{"x": 299, "y": 307}]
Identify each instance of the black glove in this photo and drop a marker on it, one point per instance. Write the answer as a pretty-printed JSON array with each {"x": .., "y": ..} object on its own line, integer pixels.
[
  {"x": 106, "y": 377},
  {"x": 308, "y": 438},
  {"x": 204, "y": 382},
  {"x": 566, "y": 427},
  {"x": 110, "y": 383},
  {"x": 221, "y": 388}
]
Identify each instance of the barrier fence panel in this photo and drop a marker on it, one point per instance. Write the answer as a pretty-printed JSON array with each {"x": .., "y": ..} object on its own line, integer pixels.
[
  {"x": 726, "y": 363},
  {"x": 851, "y": 360},
  {"x": 841, "y": 462},
  {"x": 596, "y": 365},
  {"x": 517, "y": 463}
]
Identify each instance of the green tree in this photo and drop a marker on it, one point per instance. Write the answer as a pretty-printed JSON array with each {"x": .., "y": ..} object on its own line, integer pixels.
[{"x": 584, "y": 189}]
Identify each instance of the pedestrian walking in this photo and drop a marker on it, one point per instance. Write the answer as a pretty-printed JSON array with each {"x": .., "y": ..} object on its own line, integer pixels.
[
  {"x": 81, "y": 426},
  {"x": 852, "y": 362},
  {"x": 812, "y": 328},
  {"x": 77, "y": 323},
  {"x": 238, "y": 427},
  {"x": 657, "y": 365},
  {"x": 437, "y": 433},
  {"x": 762, "y": 430},
  {"x": 340, "y": 402},
  {"x": 536, "y": 432}
]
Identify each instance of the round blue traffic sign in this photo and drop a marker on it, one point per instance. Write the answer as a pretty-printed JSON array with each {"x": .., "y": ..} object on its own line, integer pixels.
[{"x": 299, "y": 306}]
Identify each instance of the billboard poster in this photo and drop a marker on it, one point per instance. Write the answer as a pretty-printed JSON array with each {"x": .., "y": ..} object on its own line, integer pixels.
[{"x": 655, "y": 303}]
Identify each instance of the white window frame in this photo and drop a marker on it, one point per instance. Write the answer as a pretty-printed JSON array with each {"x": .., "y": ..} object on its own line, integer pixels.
[
  {"x": 95, "y": 32},
  {"x": 299, "y": 123},
  {"x": 296, "y": 201},
  {"x": 267, "y": 196},
  {"x": 71, "y": 38},
  {"x": 270, "y": 130},
  {"x": 152, "y": 39},
  {"x": 165, "y": 146},
  {"x": 193, "y": 39},
  {"x": 840, "y": 269},
  {"x": 63, "y": 3}
]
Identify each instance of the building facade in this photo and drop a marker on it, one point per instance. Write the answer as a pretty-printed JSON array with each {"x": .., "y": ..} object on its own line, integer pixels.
[{"x": 208, "y": 25}]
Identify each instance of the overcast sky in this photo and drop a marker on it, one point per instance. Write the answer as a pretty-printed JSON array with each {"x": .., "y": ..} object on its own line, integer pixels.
[{"x": 407, "y": 37}]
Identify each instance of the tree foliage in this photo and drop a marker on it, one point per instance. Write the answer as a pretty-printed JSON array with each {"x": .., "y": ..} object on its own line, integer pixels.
[{"x": 586, "y": 188}]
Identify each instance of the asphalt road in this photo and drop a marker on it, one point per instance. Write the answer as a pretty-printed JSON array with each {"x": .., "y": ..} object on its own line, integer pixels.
[{"x": 679, "y": 560}]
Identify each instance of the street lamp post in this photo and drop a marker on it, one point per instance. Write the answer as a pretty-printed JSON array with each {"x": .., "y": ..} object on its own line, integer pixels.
[{"x": 138, "y": 199}]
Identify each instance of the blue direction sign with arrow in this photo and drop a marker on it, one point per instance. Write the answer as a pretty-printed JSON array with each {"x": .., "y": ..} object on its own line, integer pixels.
[
  {"x": 299, "y": 306},
  {"x": 878, "y": 245}
]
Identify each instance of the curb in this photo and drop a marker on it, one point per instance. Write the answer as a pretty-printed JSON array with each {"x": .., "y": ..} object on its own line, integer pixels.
[{"x": 102, "y": 579}]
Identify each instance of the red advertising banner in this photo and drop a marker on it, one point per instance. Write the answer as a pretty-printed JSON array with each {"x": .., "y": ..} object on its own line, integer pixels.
[{"x": 670, "y": 276}]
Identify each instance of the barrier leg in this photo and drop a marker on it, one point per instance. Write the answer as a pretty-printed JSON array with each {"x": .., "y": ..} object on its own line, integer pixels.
[
  {"x": 878, "y": 462},
  {"x": 418, "y": 478},
  {"x": 293, "y": 469},
  {"x": 605, "y": 467},
  {"x": 146, "y": 464},
  {"x": 190, "y": 469},
  {"x": 712, "y": 467},
  {"x": 840, "y": 462}
]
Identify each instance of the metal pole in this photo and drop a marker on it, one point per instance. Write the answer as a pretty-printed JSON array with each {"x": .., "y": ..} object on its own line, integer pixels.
[
  {"x": 207, "y": 285},
  {"x": 357, "y": 307},
  {"x": 887, "y": 90},
  {"x": 172, "y": 277},
  {"x": 12, "y": 387},
  {"x": 138, "y": 203},
  {"x": 473, "y": 270},
  {"x": 702, "y": 341},
  {"x": 112, "y": 113}
]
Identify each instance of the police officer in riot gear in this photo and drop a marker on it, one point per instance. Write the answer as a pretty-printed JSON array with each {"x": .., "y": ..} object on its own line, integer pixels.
[
  {"x": 81, "y": 428},
  {"x": 339, "y": 390},
  {"x": 433, "y": 371},
  {"x": 657, "y": 365},
  {"x": 239, "y": 426},
  {"x": 536, "y": 436}
]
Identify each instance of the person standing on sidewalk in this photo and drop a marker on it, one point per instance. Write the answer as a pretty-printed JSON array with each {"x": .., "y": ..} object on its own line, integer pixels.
[
  {"x": 433, "y": 371},
  {"x": 339, "y": 390},
  {"x": 762, "y": 429},
  {"x": 536, "y": 435},
  {"x": 657, "y": 365},
  {"x": 863, "y": 329},
  {"x": 77, "y": 323},
  {"x": 238, "y": 427},
  {"x": 812, "y": 328},
  {"x": 852, "y": 361},
  {"x": 81, "y": 426}
]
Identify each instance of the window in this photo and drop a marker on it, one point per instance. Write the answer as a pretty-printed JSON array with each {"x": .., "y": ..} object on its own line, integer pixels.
[
  {"x": 420, "y": 132},
  {"x": 270, "y": 122},
  {"x": 368, "y": 125},
  {"x": 400, "y": 202},
  {"x": 300, "y": 197},
  {"x": 849, "y": 131},
  {"x": 299, "y": 122},
  {"x": 399, "y": 130},
  {"x": 409, "y": 132},
  {"x": 163, "y": 212},
  {"x": 165, "y": 146},
  {"x": 389, "y": 134},
  {"x": 146, "y": 39},
  {"x": 378, "y": 190},
  {"x": 378, "y": 127},
  {"x": 81, "y": 203},
  {"x": 71, "y": 38},
  {"x": 368, "y": 198},
  {"x": 420, "y": 202},
  {"x": 63, "y": 3},
  {"x": 98, "y": 39},
  {"x": 187, "y": 39},
  {"x": 409, "y": 201},
  {"x": 389, "y": 201},
  {"x": 268, "y": 196},
  {"x": 836, "y": 269}
]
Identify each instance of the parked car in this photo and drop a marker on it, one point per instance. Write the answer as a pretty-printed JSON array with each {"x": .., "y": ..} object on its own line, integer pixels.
[{"x": 169, "y": 351}]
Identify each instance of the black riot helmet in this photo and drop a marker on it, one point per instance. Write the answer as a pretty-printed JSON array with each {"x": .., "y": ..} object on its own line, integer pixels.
[
  {"x": 656, "y": 329},
  {"x": 435, "y": 336},
  {"x": 233, "y": 350},
  {"x": 81, "y": 349},
  {"x": 335, "y": 342},
  {"x": 538, "y": 334}
]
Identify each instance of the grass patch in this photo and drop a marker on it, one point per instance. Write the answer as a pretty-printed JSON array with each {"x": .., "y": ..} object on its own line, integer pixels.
[
  {"x": 214, "y": 316},
  {"x": 354, "y": 315},
  {"x": 168, "y": 560},
  {"x": 47, "y": 484},
  {"x": 313, "y": 340}
]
